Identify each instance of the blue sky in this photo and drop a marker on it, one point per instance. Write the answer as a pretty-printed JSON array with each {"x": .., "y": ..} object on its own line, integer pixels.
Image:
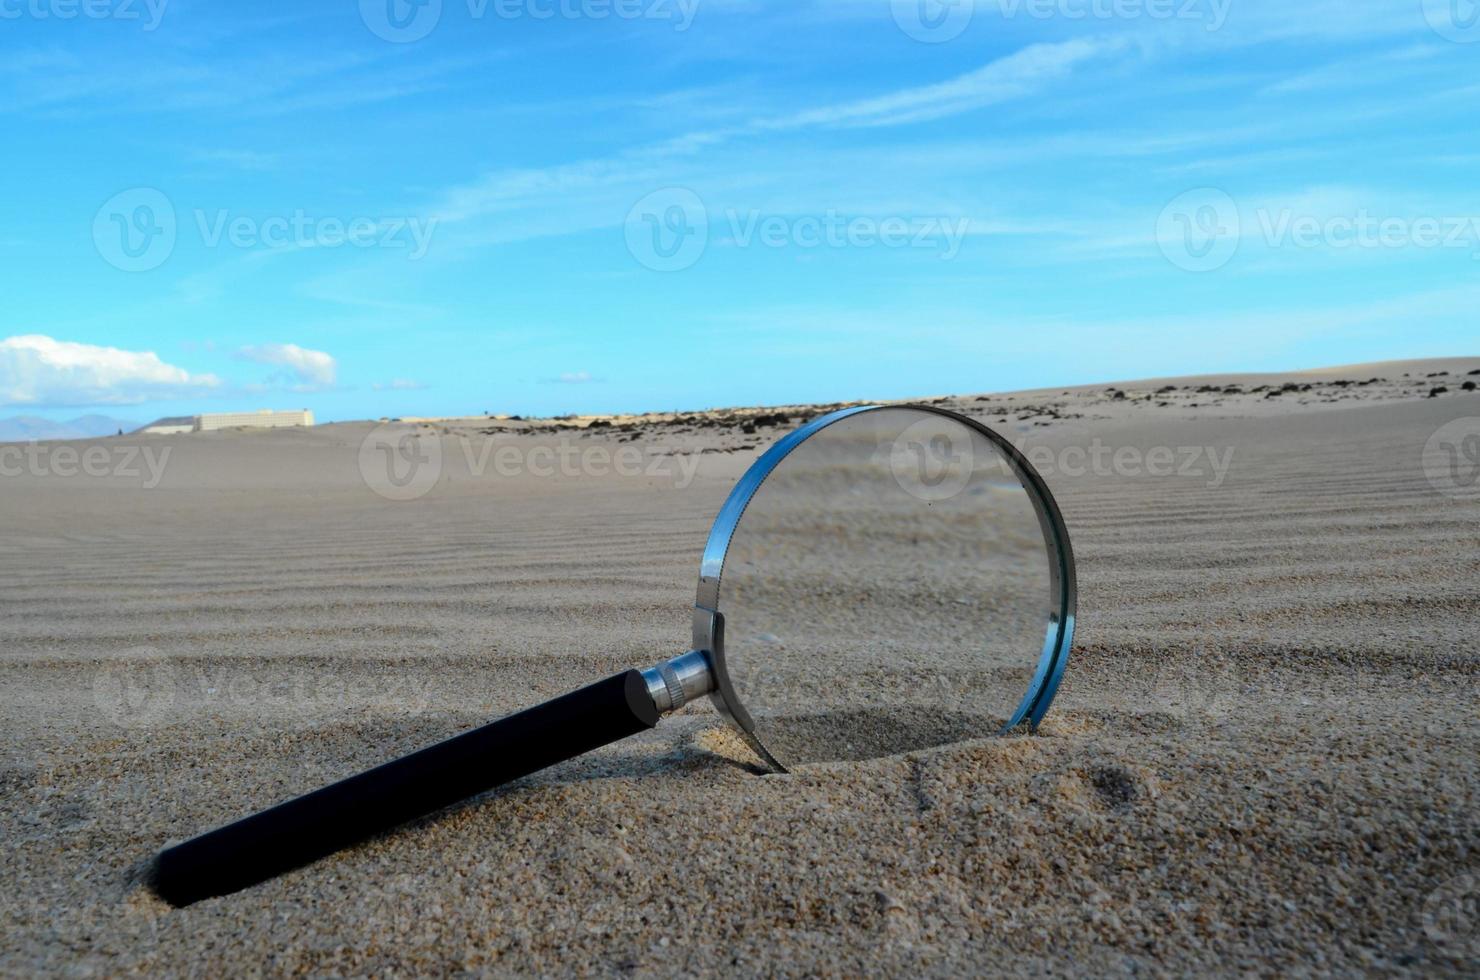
[{"x": 369, "y": 208}]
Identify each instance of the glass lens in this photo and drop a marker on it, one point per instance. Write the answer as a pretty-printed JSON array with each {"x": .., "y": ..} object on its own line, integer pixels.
[{"x": 889, "y": 587}]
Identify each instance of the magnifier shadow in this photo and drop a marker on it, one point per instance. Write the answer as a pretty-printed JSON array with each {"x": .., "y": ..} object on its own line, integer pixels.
[
  {"x": 859, "y": 735},
  {"x": 710, "y": 747},
  {"x": 683, "y": 760}
]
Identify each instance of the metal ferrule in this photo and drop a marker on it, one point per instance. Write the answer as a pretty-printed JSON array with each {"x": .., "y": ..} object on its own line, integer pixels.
[{"x": 676, "y": 682}]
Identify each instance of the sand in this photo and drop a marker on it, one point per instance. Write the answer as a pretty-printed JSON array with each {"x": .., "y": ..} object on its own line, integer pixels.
[{"x": 1265, "y": 756}]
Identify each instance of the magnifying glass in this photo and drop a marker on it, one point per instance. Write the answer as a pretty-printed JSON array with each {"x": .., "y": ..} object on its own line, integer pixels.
[{"x": 882, "y": 580}]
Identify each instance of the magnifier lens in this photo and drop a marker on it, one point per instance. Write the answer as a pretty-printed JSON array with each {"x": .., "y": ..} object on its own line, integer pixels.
[{"x": 890, "y": 586}]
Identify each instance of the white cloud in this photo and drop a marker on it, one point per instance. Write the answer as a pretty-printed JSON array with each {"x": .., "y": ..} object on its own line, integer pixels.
[
  {"x": 308, "y": 369},
  {"x": 573, "y": 378},
  {"x": 1014, "y": 76},
  {"x": 240, "y": 159},
  {"x": 398, "y": 384},
  {"x": 40, "y": 370}
]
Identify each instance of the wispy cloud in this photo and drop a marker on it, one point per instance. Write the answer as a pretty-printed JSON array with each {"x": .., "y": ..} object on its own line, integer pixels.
[
  {"x": 75, "y": 83},
  {"x": 1015, "y": 76},
  {"x": 573, "y": 378},
  {"x": 236, "y": 159}
]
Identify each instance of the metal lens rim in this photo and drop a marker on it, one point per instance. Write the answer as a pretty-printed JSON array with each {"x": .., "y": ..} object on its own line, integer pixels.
[{"x": 708, "y": 633}]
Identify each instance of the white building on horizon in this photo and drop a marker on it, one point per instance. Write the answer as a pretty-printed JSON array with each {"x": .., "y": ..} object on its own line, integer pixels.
[{"x": 264, "y": 419}]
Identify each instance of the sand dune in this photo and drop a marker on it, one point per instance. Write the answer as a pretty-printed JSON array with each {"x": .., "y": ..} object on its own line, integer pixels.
[{"x": 1265, "y": 756}]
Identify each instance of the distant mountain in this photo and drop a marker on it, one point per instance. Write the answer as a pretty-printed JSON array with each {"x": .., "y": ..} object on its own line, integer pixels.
[
  {"x": 24, "y": 428},
  {"x": 101, "y": 425}
]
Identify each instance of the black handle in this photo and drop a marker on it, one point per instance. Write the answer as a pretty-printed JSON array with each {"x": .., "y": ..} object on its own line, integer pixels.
[{"x": 294, "y": 833}]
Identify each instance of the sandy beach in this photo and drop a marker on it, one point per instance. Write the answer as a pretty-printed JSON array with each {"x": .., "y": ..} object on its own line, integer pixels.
[{"x": 1264, "y": 759}]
